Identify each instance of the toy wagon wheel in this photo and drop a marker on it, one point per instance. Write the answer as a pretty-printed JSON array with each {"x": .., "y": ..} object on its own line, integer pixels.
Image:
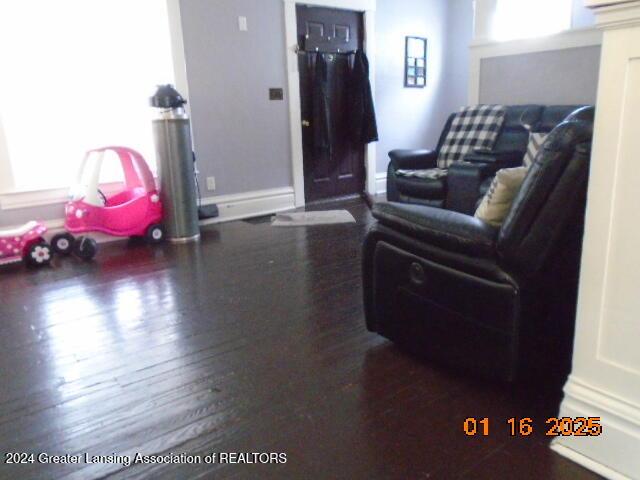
[
  {"x": 85, "y": 248},
  {"x": 38, "y": 254},
  {"x": 63, "y": 243},
  {"x": 155, "y": 234}
]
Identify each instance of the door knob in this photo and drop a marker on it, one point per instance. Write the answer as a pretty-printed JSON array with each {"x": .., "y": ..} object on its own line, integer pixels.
[{"x": 306, "y": 123}]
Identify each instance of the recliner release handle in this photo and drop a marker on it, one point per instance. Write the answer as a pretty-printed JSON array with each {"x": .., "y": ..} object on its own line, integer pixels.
[{"x": 417, "y": 275}]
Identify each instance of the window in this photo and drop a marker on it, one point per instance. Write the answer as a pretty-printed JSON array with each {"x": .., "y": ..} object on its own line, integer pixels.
[
  {"x": 530, "y": 18},
  {"x": 76, "y": 75}
]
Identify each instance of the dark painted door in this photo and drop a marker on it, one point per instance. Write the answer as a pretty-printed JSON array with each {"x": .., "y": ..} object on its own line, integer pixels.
[{"x": 334, "y": 165}]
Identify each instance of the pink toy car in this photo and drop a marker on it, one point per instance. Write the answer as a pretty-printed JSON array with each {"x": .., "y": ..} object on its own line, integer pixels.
[
  {"x": 25, "y": 244},
  {"x": 136, "y": 211}
]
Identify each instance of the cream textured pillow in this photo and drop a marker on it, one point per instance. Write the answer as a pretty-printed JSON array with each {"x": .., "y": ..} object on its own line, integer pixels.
[{"x": 497, "y": 202}]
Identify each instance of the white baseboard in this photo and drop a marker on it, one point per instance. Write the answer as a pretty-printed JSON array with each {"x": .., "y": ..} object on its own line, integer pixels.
[
  {"x": 251, "y": 204},
  {"x": 615, "y": 453},
  {"x": 381, "y": 183},
  {"x": 587, "y": 462},
  {"x": 232, "y": 207}
]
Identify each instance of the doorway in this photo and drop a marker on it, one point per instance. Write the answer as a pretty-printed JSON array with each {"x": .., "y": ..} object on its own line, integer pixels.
[{"x": 333, "y": 163}]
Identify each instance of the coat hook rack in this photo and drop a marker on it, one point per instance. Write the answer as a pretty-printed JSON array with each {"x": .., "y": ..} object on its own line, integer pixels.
[{"x": 317, "y": 50}]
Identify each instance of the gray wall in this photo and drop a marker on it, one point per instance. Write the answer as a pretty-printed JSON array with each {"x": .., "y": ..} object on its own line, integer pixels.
[
  {"x": 240, "y": 136},
  {"x": 459, "y": 37},
  {"x": 567, "y": 76},
  {"x": 409, "y": 117},
  {"x": 243, "y": 139},
  {"x": 582, "y": 17}
]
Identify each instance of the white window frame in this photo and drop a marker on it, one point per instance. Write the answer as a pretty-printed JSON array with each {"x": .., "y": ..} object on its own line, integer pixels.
[
  {"x": 12, "y": 198},
  {"x": 569, "y": 6}
]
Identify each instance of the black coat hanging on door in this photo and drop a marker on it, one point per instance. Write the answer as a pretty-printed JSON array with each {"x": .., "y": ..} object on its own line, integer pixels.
[
  {"x": 321, "y": 111},
  {"x": 362, "y": 111}
]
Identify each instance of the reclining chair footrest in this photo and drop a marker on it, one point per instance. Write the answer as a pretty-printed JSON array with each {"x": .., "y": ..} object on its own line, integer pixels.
[{"x": 476, "y": 334}]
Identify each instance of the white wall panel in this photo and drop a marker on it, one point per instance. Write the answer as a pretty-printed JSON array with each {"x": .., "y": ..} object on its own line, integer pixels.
[{"x": 606, "y": 377}]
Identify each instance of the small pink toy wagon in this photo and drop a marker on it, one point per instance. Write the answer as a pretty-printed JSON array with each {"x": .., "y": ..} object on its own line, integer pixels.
[
  {"x": 25, "y": 244},
  {"x": 136, "y": 211}
]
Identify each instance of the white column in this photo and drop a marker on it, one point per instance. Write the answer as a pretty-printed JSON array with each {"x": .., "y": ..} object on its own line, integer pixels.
[{"x": 605, "y": 381}]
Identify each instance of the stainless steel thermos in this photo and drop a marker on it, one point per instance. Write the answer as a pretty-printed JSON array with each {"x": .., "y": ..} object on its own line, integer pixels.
[{"x": 172, "y": 135}]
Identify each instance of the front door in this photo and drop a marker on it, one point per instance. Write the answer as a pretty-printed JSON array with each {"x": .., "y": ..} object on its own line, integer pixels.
[{"x": 333, "y": 162}]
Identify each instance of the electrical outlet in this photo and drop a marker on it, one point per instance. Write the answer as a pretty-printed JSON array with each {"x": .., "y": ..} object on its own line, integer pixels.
[
  {"x": 211, "y": 183},
  {"x": 242, "y": 24}
]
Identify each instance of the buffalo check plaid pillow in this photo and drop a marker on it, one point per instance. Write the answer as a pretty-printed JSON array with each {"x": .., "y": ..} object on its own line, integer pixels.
[{"x": 472, "y": 128}]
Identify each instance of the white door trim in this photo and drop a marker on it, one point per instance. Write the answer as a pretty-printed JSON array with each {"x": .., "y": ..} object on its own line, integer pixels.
[
  {"x": 368, "y": 7},
  {"x": 177, "y": 49}
]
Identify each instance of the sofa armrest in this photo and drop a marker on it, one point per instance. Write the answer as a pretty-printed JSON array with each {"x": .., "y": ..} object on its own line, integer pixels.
[
  {"x": 463, "y": 185},
  {"x": 448, "y": 230},
  {"x": 500, "y": 160},
  {"x": 413, "y": 159}
]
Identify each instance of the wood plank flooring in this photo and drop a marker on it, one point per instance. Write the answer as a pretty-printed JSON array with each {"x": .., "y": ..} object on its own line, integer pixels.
[{"x": 251, "y": 341}]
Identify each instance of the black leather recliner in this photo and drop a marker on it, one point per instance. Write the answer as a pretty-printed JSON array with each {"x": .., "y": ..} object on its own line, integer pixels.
[
  {"x": 466, "y": 183},
  {"x": 455, "y": 289}
]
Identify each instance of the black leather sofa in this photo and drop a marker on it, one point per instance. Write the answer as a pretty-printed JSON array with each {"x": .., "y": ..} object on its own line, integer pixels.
[
  {"x": 467, "y": 182},
  {"x": 490, "y": 300}
]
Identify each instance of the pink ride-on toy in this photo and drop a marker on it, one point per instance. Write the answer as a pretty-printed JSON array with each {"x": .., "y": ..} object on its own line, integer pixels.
[
  {"x": 136, "y": 211},
  {"x": 25, "y": 244}
]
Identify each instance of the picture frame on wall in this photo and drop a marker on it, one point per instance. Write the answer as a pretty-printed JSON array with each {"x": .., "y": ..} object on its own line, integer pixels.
[{"x": 415, "y": 67}]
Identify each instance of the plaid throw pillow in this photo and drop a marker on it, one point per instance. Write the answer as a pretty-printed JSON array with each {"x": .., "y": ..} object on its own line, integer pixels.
[
  {"x": 429, "y": 173},
  {"x": 536, "y": 140},
  {"x": 472, "y": 128}
]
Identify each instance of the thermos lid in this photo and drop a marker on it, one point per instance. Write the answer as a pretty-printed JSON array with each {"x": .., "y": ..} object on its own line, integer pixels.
[{"x": 167, "y": 97}]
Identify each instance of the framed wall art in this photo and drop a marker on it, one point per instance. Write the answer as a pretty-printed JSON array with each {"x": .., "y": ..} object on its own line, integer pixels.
[{"x": 415, "y": 69}]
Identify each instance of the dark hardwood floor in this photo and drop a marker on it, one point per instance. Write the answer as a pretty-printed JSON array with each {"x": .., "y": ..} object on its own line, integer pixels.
[{"x": 251, "y": 341}]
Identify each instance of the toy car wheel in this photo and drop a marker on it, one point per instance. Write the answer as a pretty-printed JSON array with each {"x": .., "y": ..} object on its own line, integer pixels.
[
  {"x": 63, "y": 243},
  {"x": 85, "y": 248},
  {"x": 39, "y": 254},
  {"x": 155, "y": 234}
]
